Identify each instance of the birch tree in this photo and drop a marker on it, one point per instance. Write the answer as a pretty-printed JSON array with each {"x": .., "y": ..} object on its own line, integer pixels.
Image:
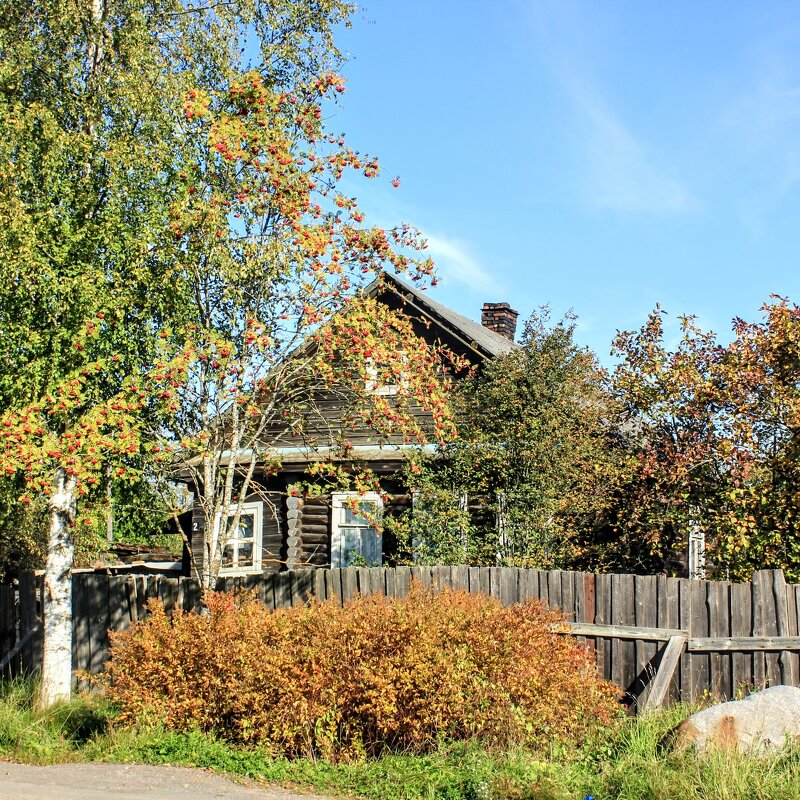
[{"x": 92, "y": 149}]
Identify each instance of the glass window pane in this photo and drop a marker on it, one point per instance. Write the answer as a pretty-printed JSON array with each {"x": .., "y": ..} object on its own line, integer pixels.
[
  {"x": 365, "y": 508},
  {"x": 228, "y": 556},
  {"x": 245, "y": 529},
  {"x": 245, "y": 555}
]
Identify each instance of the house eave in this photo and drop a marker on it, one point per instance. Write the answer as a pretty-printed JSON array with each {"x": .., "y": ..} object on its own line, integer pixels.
[{"x": 307, "y": 454}]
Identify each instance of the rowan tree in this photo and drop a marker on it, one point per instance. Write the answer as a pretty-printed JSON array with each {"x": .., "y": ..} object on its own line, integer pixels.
[{"x": 273, "y": 258}]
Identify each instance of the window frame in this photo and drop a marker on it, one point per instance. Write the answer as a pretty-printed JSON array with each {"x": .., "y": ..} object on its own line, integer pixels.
[
  {"x": 256, "y": 510},
  {"x": 338, "y": 507},
  {"x": 372, "y": 385}
]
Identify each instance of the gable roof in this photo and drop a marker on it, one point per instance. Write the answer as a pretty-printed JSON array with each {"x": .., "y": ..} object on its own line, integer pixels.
[{"x": 485, "y": 341}]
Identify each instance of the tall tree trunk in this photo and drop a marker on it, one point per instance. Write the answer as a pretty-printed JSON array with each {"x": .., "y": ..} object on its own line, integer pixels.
[{"x": 57, "y": 652}]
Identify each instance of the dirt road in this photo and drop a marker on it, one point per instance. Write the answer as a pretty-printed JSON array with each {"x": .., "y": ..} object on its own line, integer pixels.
[{"x": 128, "y": 782}]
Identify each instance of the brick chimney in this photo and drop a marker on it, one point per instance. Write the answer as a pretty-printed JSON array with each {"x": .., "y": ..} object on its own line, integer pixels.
[{"x": 500, "y": 318}]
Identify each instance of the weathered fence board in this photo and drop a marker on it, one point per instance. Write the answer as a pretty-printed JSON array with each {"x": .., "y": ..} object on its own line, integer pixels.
[{"x": 732, "y": 636}]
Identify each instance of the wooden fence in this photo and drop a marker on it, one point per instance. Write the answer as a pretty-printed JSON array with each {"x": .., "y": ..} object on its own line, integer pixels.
[{"x": 730, "y": 634}]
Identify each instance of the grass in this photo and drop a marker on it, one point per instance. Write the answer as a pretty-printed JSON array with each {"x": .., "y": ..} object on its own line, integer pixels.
[
  {"x": 634, "y": 765},
  {"x": 44, "y": 737}
]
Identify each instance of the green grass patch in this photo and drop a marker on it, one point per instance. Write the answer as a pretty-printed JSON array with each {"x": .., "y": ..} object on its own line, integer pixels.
[
  {"x": 51, "y": 735},
  {"x": 451, "y": 773},
  {"x": 633, "y": 765}
]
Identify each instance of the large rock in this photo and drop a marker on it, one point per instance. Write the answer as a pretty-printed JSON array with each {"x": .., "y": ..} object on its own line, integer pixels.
[{"x": 759, "y": 723}]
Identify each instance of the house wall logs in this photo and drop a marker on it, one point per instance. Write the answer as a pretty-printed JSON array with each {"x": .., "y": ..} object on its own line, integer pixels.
[{"x": 766, "y": 607}]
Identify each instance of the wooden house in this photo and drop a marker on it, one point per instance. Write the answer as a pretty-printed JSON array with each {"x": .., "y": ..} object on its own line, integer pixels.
[{"x": 281, "y": 529}]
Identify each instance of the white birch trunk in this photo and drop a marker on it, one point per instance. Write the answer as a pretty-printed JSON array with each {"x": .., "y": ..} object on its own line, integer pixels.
[{"x": 57, "y": 651}]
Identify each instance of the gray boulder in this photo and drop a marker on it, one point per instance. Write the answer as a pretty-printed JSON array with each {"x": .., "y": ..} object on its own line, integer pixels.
[{"x": 762, "y": 722}]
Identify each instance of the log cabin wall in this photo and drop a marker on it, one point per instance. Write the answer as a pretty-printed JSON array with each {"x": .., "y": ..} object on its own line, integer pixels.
[
  {"x": 315, "y": 523},
  {"x": 273, "y": 537}
]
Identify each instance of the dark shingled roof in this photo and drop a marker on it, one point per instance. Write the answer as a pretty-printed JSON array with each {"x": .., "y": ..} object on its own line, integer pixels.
[{"x": 481, "y": 338}]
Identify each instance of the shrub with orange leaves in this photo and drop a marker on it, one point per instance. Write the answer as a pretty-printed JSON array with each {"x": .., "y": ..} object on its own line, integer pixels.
[{"x": 377, "y": 674}]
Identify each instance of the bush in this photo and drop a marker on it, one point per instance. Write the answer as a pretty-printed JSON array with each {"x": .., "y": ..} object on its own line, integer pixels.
[{"x": 377, "y": 674}]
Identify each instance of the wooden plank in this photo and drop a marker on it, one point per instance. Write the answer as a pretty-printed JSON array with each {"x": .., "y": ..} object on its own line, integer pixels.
[
  {"x": 788, "y": 675},
  {"x": 460, "y": 577},
  {"x": 764, "y": 644},
  {"x": 494, "y": 583},
  {"x": 363, "y": 581},
  {"x": 623, "y": 651},
  {"x": 349, "y": 584},
  {"x": 627, "y": 632},
  {"x": 508, "y": 592},
  {"x": 667, "y": 601},
  {"x": 192, "y": 594},
  {"x": 168, "y": 593},
  {"x": 96, "y": 588},
  {"x": 791, "y": 607},
  {"x": 320, "y": 592},
  {"x": 719, "y": 624},
  {"x": 422, "y": 575},
  {"x": 797, "y": 608},
  {"x": 153, "y": 586},
  {"x": 301, "y": 583},
  {"x": 333, "y": 584},
  {"x": 131, "y": 607},
  {"x": 484, "y": 581},
  {"x": 646, "y": 611},
  {"x": 670, "y": 658},
  {"x": 251, "y": 585},
  {"x": 554, "y": 588},
  {"x": 742, "y": 665},
  {"x": 30, "y": 660},
  {"x": 282, "y": 587},
  {"x": 378, "y": 580},
  {"x": 543, "y": 592},
  {"x": 579, "y": 601},
  {"x": 568, "y": 595},
  {"x": 266, "y": 589},
  {"x": 585, "y": 607},
  {"x": 390, "y": 582},
  {"x": 602, "y": 585},
  {"x": 13, "y": 653},
  {"x": 440, "y": 577},
  {"x": 685, "y": 622},
  {"x": 8, "y": 632},
  {"x": 402, "y": 580},
  {"x": 120, "y": 602},
  {"x": 80, "y": 625},
  {"x": 765, "y": 666},
  {"x": 529, "y": 585},
  {"x": 38, "y": 635},
  {"x": 699, "y": 627}
]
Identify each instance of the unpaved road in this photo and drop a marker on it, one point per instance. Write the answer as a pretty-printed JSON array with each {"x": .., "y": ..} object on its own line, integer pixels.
[{"x": 129, "y": 782}]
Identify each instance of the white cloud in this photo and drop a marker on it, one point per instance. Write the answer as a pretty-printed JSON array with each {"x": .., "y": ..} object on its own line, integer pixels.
[
  {"x": 759, "y": 134},
  {"x": 616, "y": 169},
  {"x": 455, "y": 262},
  {"x": 621, "y": 174}
]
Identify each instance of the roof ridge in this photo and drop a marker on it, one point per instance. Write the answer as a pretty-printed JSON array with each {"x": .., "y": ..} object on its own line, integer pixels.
[{"x": 485, "y": 338}]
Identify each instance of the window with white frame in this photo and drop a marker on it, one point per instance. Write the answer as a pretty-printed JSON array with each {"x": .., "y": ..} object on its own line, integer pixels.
[
  {"x": 355, "y": 539},
  {"x": 241, "y": 552},
  {"x": 375, "y": 384}
]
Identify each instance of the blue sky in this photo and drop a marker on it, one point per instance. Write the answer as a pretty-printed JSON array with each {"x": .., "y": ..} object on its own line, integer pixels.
[{"x": 601, "y": 156}]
